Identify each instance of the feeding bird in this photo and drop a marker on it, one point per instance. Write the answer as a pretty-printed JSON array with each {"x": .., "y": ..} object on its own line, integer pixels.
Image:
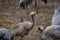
[
  {"x": 25, "y": 3},
  {"x": 52, "y": 31}
]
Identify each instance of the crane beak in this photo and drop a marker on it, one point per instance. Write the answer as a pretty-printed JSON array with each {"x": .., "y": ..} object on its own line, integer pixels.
[
  {"x": 37, "y": 15},
  {"x": 37, "y": 31}
]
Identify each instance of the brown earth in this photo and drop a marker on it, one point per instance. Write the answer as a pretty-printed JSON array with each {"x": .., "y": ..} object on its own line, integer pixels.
[{"x": 10, "y": 15}]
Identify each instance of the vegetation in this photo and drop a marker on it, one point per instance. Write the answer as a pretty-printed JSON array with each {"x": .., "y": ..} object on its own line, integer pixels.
[{"x": 10, "y": 15}]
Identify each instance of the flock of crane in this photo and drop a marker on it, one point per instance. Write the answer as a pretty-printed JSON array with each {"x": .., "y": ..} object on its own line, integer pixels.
[
  {"x": 21, "y": 29},
  {"x": 53, "y": 30}
]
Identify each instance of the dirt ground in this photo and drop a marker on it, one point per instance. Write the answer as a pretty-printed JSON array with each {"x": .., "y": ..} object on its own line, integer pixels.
[{"x": 10, "y": 16}]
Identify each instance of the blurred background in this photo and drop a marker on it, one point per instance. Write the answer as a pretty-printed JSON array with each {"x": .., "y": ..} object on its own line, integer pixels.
[{"x": 10, "y": 15}]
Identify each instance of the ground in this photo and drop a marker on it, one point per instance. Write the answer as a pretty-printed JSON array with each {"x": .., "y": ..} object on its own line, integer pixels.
[{"x": 10, "y": 15}]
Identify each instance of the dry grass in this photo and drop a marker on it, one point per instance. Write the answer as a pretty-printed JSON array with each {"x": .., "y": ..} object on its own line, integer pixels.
[{"x": 10, "y": 17}]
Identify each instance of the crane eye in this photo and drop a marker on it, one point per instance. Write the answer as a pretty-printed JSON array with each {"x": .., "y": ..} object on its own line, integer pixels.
[{"x": 40, "y": 29}]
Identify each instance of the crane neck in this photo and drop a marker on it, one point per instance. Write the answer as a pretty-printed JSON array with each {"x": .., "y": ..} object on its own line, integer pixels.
[{"x": 33, "y": 19}]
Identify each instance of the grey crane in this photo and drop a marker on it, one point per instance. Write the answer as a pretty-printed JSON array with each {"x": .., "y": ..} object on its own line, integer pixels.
[
  {"x": 4, "y": 34},
  {"x": 23, "y": 28},
  {"x": 25, "y": 3},
  {"x": 56, "y": 15},
  {"x": 52, "y": 31}
]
